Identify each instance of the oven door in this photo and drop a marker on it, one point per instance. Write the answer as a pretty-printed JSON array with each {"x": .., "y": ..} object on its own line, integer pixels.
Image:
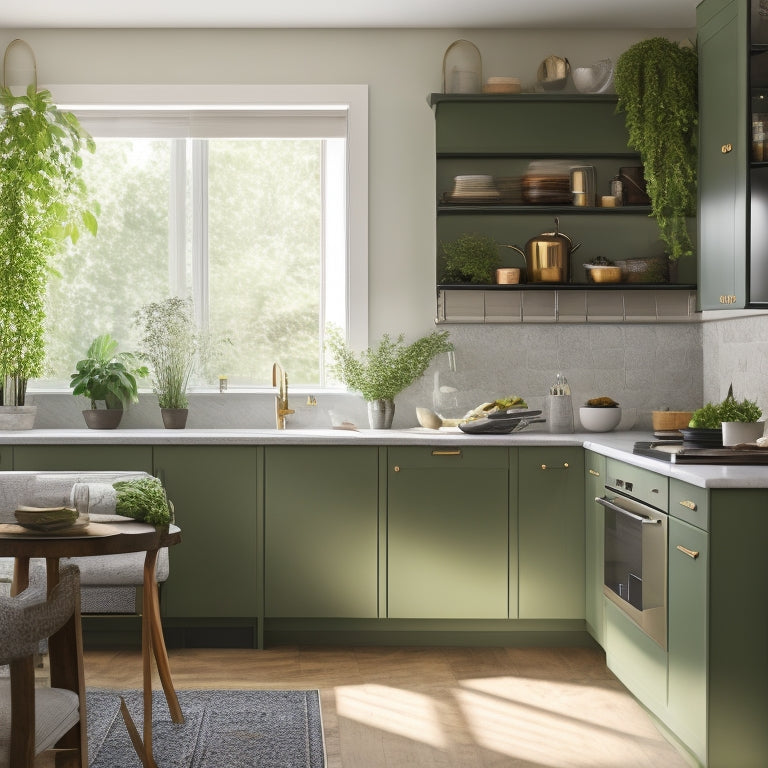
[{"x": 635, "y": 565}]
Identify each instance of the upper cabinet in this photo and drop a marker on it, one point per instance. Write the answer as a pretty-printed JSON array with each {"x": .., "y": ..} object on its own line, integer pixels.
[
  {"x": 527, "y": 146},
  {"x": 733, "y": 154}
]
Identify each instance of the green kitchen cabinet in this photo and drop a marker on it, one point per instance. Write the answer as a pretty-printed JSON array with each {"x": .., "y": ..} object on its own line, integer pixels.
[
  {"x": 448, "y": 533},
  {"x": 6, "y": 458},
  {"x": 321, "y": 531},
  {"x": 687, "y": 634},
  {"x": 594, "y": 487},
  {"x": 85, "y": 458},
  {"x": 551, "y": 531},
  {"x": 733, "y": 163},
  {"x": 215, "y": 569}
]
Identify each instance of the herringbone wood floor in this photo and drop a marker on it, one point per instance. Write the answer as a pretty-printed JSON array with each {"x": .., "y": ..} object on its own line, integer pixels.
[{"x": 437, "y": 707}]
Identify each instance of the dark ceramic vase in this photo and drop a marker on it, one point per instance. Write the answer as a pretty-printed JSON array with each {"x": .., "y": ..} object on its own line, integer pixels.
[
  {"x": 174, "y": 418},
  {"x": 103, "y": 418}
]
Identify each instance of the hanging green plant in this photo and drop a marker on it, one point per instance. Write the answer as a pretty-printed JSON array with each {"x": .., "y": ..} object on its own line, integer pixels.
[
  {"x": 43, "y": 203},
  {"x": 656, "y": 81}
]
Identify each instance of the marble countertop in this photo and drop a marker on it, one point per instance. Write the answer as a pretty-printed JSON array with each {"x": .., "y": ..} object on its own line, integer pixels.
[{"x": 616, "y": 445}]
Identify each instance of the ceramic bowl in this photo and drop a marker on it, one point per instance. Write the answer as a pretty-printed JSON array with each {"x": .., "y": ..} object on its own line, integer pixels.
[
  {"x": 595, "y": 79},
  {"x": 599, "y": 419}
]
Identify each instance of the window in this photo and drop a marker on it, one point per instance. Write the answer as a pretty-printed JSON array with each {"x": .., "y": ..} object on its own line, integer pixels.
[{"x": 253, "y": 205}]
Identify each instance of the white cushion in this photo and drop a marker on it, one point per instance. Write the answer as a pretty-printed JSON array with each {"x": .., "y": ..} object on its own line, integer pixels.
[{"x": 56, "y": 711}]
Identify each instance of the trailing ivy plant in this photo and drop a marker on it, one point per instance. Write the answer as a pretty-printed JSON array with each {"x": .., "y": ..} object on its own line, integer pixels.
[
  {"x": 384, "y": 371},
  {"x": 43, "y": 203},
  {"x": 656, "y": 83}
]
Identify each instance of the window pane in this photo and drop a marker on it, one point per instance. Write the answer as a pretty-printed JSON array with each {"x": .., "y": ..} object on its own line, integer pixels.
[
  {"x": 105, "y": 279},
  {"x": 265, "y": 212}
]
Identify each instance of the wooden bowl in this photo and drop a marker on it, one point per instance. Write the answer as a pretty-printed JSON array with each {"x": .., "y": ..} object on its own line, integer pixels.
[
  {"x": 603, "y": 274},
  {"x": 669, "y": 420}
]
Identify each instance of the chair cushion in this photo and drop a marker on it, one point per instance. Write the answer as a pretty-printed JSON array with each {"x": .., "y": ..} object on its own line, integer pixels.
[{"x": 56, "y": 711}]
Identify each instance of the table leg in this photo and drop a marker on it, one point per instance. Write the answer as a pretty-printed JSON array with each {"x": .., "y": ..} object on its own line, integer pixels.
[
  {"x": 20, "y": 575},
  {"x": 152, "y": 608}
]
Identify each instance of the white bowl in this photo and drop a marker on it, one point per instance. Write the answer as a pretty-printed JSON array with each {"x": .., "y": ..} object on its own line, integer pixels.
[
  {"x": 595, "y": 79},
  {"x": 599, "y": 419}
]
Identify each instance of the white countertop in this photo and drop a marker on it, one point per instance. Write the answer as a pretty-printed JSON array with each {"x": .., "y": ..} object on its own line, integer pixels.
[{"x": 616, "y": 445}]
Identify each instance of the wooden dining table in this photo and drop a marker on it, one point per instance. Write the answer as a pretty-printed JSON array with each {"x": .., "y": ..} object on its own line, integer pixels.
[{"x": 107, "y": 539}]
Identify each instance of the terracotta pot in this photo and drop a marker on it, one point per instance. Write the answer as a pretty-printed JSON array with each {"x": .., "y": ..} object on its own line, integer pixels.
[
  {"x": 103, "y": 418},
  {"x": 174, "y": 418}
]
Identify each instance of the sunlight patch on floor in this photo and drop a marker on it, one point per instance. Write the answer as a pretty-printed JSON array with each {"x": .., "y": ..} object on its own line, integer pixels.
[
  {"x": 404, "y": 713},
  {"x": 541, "y": 721}
]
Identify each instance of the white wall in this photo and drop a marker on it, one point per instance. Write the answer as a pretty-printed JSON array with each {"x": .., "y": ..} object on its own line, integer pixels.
[{"x": 401, "y": 68}]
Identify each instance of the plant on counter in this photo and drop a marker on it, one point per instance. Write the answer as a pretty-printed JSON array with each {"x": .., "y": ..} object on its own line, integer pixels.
[
  {"x": 43, "y": 203},
  {"x": 382, "y": 372},
  {"x": 471, "y": 259},
  {"x": 143, "y": 499},
  {"x": 656, "y": 81},
  {"x": 171, "y": 344},
  {"x": 108, "y": 376},
  {"x": 712, "y": 415}
]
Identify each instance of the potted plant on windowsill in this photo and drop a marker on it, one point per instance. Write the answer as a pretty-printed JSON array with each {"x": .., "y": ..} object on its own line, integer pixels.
[
  {"x": 109, "y": 377},
  {"x": 656, "y": 82},
  {"x": 382, "y": 372},
  {"x": 171, "y": 343},
  {"x": 43, "y": 203}
]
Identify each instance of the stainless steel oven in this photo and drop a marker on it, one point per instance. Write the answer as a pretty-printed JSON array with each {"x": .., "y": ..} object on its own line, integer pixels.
[{"x": 635, "y": 560}]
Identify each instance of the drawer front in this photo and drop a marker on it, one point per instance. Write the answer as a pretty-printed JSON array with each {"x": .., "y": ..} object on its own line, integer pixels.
[
  {"x": 442, "y": 456},
  {"x": 689, "y": 503}
]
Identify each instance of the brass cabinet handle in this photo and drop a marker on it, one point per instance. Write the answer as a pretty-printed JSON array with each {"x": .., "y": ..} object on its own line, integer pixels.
[
  {"x": 688, "y": 504},
  {"x": 726, "y": 148},
  {"x": 397, "y": 469},
  {"x": 692, "y": 553},
  {"x": 547, "y": 466},
  {"x": 594, "y": 472},
  {"x": 454, "y": 452}
]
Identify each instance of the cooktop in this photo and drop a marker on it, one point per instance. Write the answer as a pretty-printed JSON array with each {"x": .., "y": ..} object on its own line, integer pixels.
[{"x": 677, "y": 452}]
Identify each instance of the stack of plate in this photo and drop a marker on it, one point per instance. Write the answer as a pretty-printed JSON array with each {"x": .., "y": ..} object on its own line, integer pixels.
[
  {"x": 502, "y": 85},
  {"x": 473, "y": 189},
  {"x": 510, "y": 189},
  {"x": 548, "y": 182},
  {"x": 46, "y": 518}
]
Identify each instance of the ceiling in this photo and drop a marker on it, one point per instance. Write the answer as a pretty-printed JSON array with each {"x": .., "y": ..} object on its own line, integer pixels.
[{"x": 512, "y": 14}]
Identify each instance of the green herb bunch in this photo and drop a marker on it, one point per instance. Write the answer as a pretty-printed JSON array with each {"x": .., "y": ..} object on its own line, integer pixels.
[
  {"x": 712, "y": 415},
  {"x": 170, "y": 343},
  {"x": 43, "y": 202},
  {"x": 656, "y": 81},
  {"x": 471, "y": 259},
  {"x": 143, "y": 499},
  {"x": 382, "y": 372}
]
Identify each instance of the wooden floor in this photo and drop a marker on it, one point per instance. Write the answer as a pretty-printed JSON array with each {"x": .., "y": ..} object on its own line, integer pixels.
[{"x": 437, "y": 707}]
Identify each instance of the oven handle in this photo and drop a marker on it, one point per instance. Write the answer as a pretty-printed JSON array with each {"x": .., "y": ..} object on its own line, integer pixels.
[{"x": 616, "y": 508}]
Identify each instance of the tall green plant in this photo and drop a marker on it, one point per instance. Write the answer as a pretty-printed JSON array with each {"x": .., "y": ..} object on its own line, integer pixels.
[
  {"x": 384, "y": 371},
  {"x": 170, "y": 343},
  {"x": 43, "y": 202},
  {"x": 656, "y": 81}
]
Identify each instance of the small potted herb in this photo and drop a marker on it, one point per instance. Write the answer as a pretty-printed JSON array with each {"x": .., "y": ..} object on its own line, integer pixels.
[
  {"x": 171, "y": 343},
  {"x": 737, "y": 421},
  {"x": 382, "y": 372},
  {"x": 109, "y": 377}
]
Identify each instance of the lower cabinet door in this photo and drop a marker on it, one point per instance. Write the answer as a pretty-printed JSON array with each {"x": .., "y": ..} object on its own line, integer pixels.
[
  {"x": 83, "y": 458},
  {"x": 215, "y": 568},
  {"x": 551, "y": 533},
  {"x": 447, "y": 533},
  {"x": 688, "y": 670},
  {"x": 594, "y": 487},
  {"x": 321, "y": 531}
]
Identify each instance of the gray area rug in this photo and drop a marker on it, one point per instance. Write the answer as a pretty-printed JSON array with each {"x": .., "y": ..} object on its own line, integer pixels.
[{"x": 222, "y": 729}]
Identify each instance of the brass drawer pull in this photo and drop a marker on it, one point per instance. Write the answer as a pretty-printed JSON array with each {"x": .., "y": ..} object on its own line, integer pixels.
[
  {"x": 726, "y": 148},
  {"x": 594, "y": 472},
  {"x": 547, "y": 466},
  {"x": 688, "y": 504},
  {"x": 692, "y": 553},
  {"x": 456, "y": 452}
]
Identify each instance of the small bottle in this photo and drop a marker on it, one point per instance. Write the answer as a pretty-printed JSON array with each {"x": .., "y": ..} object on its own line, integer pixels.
[
  {"x": 223, "y": 383},
  {"x": 617, "y": 190}
]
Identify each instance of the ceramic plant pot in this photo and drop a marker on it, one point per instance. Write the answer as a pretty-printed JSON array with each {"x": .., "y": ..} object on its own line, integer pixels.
[
  {"x": 737, "y": 432},
  {"x": 17, "y": 416},
  {"x": 381, "y": 413},
  {"x": 103, "y": 418},
  {"x": 174, "y": 418}
]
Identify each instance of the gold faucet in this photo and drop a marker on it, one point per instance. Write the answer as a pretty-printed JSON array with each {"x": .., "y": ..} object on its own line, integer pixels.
[{"x": 280, "y": 380}]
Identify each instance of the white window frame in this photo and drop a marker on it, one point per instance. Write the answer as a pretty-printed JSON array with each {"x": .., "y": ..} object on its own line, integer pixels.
[{"x": 352, "y": 98}]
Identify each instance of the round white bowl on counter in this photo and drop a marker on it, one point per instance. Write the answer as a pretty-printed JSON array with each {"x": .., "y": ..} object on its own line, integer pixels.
[{"x": 599, "y": 419}]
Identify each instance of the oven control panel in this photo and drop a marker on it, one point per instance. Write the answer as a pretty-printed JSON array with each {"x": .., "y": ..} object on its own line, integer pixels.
[{"x": 638, "y": 483}]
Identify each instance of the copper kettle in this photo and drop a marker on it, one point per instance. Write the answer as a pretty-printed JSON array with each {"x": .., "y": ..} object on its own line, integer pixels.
[{"x": 547, "y": 256}]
